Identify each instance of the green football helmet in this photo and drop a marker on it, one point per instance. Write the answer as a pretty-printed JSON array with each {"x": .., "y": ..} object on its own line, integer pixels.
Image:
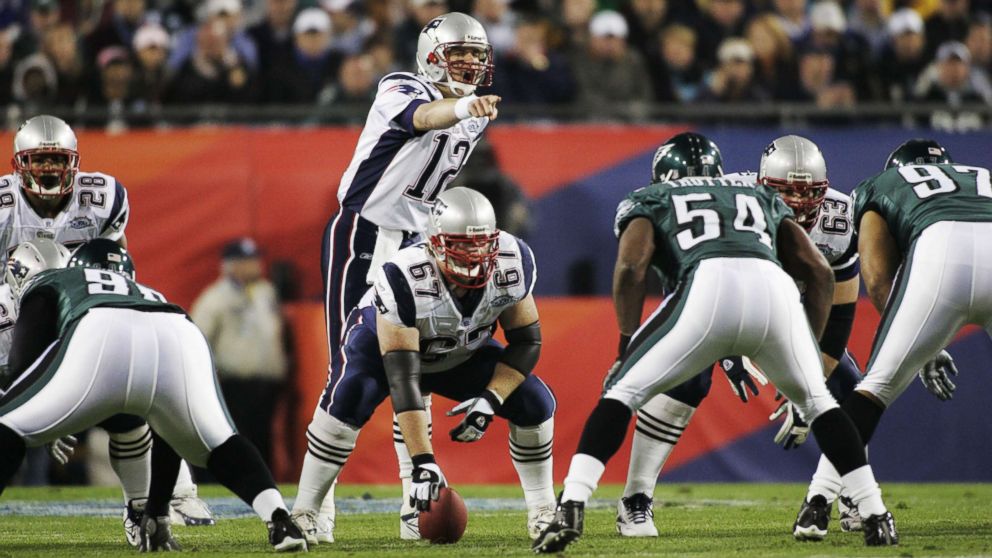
[
  {"x": 103, "y": 253},
  {"x": 687, "y": 154},
  {"x": 918, "y": 152}
]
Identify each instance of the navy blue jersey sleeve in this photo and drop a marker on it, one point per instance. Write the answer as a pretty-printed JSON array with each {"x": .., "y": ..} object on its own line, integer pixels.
[
  {"x": 848, "y": 265},
  {"x": 406, "y": 308},
  {"x": 530, "y": 266},
  {"x": 118, "y": 212}
]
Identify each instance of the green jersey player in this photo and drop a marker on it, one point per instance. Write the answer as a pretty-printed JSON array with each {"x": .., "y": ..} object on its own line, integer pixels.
[
  {"x": 923, "y": 229},
  {"x": 92, "y": 343},
  {"x": 736, "y": 253}
]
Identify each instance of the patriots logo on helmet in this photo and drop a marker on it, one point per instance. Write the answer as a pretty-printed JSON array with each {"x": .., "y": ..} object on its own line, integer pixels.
[
  {"x": 433, "y": 24},
  {"x": 770, "y": 149},
  {"x": 17, "y": 269}
]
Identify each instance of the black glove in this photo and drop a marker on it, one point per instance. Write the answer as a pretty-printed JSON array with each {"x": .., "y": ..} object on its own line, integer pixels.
[{"x": 741, "y": 374}]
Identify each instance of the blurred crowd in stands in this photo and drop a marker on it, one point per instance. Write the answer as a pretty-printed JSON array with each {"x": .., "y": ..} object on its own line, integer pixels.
[{"x": 137, "y": 56}]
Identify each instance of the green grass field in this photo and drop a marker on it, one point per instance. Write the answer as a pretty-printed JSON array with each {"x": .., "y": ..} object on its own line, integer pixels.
[{"x": 694, "y": 519}]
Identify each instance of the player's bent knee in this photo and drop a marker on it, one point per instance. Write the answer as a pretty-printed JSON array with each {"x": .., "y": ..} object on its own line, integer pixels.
[
  {"x": 531, "y": 404},
  {"x": 812, "y": 406},
  {"x": 122, "y": 423},
  {"x": 694, "y": 390}
]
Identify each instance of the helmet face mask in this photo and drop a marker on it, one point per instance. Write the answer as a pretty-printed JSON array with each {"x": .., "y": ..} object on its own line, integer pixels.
[
  {"x": 45, "y": 157},
  {"x": 467, "y": 261},
  {"x": 453, "y": 51},
  {"x": 463, "y": 237},
  {"x": 802, "y": 195},
  {"x": 795, "y": 167}
]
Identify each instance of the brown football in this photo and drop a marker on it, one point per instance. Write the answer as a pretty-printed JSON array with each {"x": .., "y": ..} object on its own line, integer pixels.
[{"x": 445, "y": 522}]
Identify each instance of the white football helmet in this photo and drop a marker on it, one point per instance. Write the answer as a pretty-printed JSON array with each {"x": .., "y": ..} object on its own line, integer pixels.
[
  {"x": 44, "y": 136},
  {"x": 794, "y": 166},
  {"x": 463, "y": 237},
  {"x": 31, "y": 258},
  {"x": 455, "y": 30}
]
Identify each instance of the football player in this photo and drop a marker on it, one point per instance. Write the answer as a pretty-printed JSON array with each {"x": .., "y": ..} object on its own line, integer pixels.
[
  {"x": 908, "y": 218},
  {"x": 92, "y": 343},
  {"x": 794, "y": 166},
  {"x": 736, "y": 252},
  {"x": 419, "y": 133},
  {"x": 427, "y": 325},
  {"x": 48, "y": 196}
]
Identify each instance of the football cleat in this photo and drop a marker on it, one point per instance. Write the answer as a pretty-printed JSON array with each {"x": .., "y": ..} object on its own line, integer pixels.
[
  {"x": 880, "y": 530},
  {"x": 850, "y": 519},
  {"x": 156, "y": 535},
  {"x": 189, "y": 509},
  {"x": 306, "y": 521},
  {"x": 410, "y": 526},
  {"x": 635, "y": 516},
  {"x": 133, "y": 513},
  {"x": 325, "y": 528},
  {"x": 284, "y": 534},
  {"x": 811, "y": 523},
  {"x": 563, "y": 531},
  {"x": 538, "y": 520}
]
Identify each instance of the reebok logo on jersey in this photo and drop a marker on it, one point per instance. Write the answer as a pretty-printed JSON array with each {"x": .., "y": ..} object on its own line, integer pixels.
[{"x": 727, "y": 364}]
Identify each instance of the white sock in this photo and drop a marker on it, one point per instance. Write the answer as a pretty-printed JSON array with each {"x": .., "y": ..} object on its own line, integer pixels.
[
  {"x": 329, "y": 444},
  {"x": 327, "y": 508},
  {"x": 131, "y": 459},
  {"x": 826, "y": 481},
  {"x": 185, "y": 488},
  {"x": 267, "y": 501},
  {"x": 583, "y": 477},
  {"x": 660, "y": 424},
  {"x": 860, "y": 484},
  {"x": 403, "y": 456},
  {"x": 530, "y": 450}
]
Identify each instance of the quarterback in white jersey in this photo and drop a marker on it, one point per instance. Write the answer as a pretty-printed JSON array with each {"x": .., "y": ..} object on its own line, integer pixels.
[
  {"x": 426, "y": 326},
  {"x": 419, "y": 133}
]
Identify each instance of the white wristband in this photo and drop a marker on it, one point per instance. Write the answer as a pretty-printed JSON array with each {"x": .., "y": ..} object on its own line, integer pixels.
[{"x": 461, "y": 107}]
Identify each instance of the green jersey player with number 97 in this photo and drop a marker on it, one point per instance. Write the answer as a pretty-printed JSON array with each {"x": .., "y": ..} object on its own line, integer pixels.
[{"x": 929, "y": 219}]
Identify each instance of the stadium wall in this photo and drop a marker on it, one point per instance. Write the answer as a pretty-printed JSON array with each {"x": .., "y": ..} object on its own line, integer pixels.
[{"x": 192, "y": 190}]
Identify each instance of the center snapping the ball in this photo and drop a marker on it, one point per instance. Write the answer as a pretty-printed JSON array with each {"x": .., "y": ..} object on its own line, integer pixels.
[{"x": 445, "y": 522}]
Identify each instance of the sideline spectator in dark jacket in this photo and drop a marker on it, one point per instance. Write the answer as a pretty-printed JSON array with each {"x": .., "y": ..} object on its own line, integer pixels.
[
  {"x": 733, "y": 80},
  {"x": 904, "y": 57},
  {"x": 313, "y": 66},
  {"x": 532, "y": 72},
  {"x": 608, "y": 72}
]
